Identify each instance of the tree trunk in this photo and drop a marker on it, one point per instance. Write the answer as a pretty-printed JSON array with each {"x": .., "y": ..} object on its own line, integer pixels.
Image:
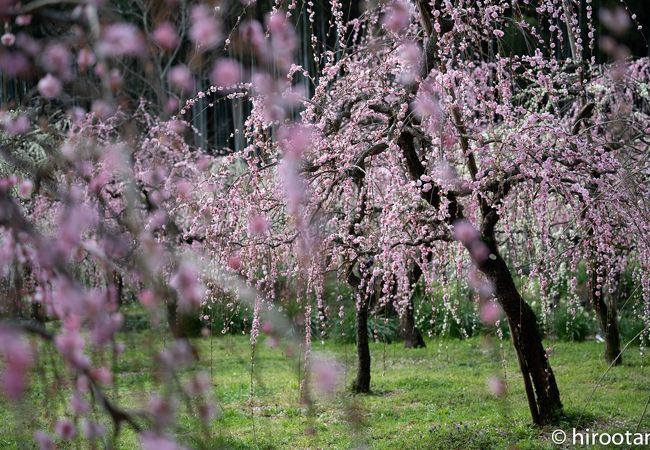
[
  {"x": 410, "y": 333},
  {"x": 362, "y": 382},
  {"x": 609, "y": 326},
  {"x": 37, "y": 312},
  {"x": 608, "y": 321},
  {"x": 119, "y": 286},
  {"x": 541, "y": 388},
  {"x": 15, "y": 297}
]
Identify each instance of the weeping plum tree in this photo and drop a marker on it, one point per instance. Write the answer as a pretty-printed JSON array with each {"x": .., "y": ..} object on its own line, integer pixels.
[
  {"x": 597, "y": 224},
  {"x": 425, "y": 130},
  {"x": 104, "y": 199},
  {"x": 427, "y": 146}
]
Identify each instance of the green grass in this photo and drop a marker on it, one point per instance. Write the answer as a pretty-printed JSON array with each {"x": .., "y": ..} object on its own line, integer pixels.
[{"x": 435, "y": 397}]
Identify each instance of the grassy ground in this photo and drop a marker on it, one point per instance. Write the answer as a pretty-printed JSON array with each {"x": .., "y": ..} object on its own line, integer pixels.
[{"x": 426, "y": 398}]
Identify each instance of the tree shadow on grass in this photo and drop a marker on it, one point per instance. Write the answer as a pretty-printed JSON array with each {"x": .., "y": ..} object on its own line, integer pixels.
[
  {"x": 377, "y": 392},
  {"x": 231, "y": 443},
  {"x": 578, "y": 418}
]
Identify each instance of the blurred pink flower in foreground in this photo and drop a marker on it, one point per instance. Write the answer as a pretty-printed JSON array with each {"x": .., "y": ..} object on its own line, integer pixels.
[
  {"x": 44, "y": 441},
  {"x": 180, "y": 78},
  {"x": 326, "y": 375},
  {"x": 186, "y": 281},
  {"x": 18, "y": 359},
  {"x": 497, "y": 386},
  {"x": 152, "y": 441},
  {"x": 165, "y": 36},
  {"x": 465, "y": 232},
  {"x": 8, "y": 39},
  {"x": 65, "y": 429},
  {"x": 122, "y": 39},
  {"x": 257, "y": 225},
  {"x": 85, "y": 58},
  {"x": 398, "y": 16},
  {"x": 617, "y": 20},
  {"x": 490, "y": 312},
  {"x": 18, "y": 125},
  {"x": 49, "y": 87},
  {"x": 204, "y": 32},
  {"x": 226, "y": 72}
]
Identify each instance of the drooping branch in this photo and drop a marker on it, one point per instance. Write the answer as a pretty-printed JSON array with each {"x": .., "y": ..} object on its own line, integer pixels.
[{"x": 118, "y": 415}]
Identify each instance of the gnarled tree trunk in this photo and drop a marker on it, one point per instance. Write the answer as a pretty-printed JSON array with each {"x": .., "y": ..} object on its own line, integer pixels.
[
  {"x": 541, "y": 388},
  {"x": 539, "y": 380}
]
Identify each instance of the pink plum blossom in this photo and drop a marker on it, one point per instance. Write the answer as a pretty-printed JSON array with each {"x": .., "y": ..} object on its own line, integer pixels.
[
  {"x": 24, "y": 19},
  {"x": 186, "y": 281},
  {"x": 398, "y": 16},
  {"x": 18, "y": 360},
  {"x": 165, "y": 36},
  {"x": 85, "y": 58},
  {"x": 78, "y": 404},
  {"x": 121, "y": 39},
  {"x": 252, "y": 34},
  {"x": 44, "y": 441},
  {"x": 18, "y": 125},
  {"x": 14, "y": 64},
  {"x": 226, "y": 72},
  {"x": 479, "y": 251},
  {"x": 65, "y": 429},
  {"x": 162, "y": 410},
  {"x": 204, "y": 31},
  {"x": 92, "y": 430},
  {"x": 497, "y": 386},
  {"x": 147, "y": 298},
  {"x": 71, "y": 345},
  {"x": 234, "y": 262},
  {"x": 25, "y": 188},
  {"x": 102, "y": 375},
  {"x": 410, "y": 55},
  {"x": 490, "y": 312},
  {"x": 326, "y": 375},
  {"x": 49, "y": 87},
  {"x": 180, "y": 78},
  {"x": 465, "y": 232},
  {"x": 57, "y": 59},
  {"x": 102, "y": 109},
  {"x": 257, "y": 225},
  {"x": 152, "y": 441},
  {"x": 207, "y": 410},
  {"x": 8, "y": 39},
  {"x": 617, "y": 20},
  {"x": 283, "y": 38}
]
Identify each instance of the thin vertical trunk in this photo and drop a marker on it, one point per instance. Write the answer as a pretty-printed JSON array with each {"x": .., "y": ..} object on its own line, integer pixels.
[
  {"x": 173, "y": 319},
  {"x": 362, "y": 382},
  {"x": 609, "y": 327},
  {"x": 37, "y": 312},
  {"x": 539, "y": 380},
  {"x": 608, "y": 321},
  {"x": 119, "y": 286},
  {"x": 410, "y": 333},
  {"x": 15, "y": 293}
]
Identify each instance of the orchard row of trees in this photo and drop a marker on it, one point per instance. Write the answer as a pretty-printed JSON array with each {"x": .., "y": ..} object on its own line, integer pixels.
[{"x": 425, "y": 150}]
